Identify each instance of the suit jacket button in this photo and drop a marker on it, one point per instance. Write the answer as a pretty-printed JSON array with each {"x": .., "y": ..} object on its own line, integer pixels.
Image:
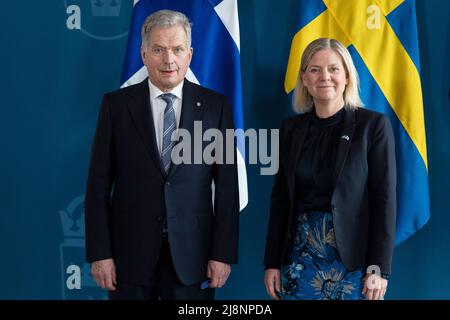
[
  {"x": 333, "y": 207},
  {"x": 168, "y": 183}
]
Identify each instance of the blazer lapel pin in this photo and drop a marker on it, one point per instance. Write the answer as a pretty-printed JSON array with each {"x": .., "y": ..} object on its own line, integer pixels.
[{"x": 345, "y": 137}]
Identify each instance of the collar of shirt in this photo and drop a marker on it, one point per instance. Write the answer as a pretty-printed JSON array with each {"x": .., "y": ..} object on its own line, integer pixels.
[
  {"x": 155, "y": 92},
  {"x": 158, "y": 106}
]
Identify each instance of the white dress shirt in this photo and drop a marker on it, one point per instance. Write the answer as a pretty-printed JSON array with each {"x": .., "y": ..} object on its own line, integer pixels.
[{"x": 158, "y": 105}]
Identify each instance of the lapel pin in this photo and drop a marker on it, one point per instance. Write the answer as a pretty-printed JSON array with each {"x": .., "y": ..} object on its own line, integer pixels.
[
  {"x": 345, "y": 137},
  {"x": 199, "y": 104}
]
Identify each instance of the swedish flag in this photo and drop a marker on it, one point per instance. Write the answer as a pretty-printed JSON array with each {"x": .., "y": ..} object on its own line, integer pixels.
[{"x": 381, "y": 36}]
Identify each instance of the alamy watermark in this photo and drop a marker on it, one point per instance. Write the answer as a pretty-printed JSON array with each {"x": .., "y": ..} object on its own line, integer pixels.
[
  {"x": 213, "y": 146},
  {"x": 374, "y": 280},
  {"x": 97, "y": 19}
]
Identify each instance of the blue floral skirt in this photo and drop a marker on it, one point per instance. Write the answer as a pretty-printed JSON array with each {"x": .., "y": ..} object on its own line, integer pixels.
[{"x": 316, "y": 271}]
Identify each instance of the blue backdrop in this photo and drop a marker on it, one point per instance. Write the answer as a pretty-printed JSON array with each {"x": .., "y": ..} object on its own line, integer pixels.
[{"x": 58, "y": 57}]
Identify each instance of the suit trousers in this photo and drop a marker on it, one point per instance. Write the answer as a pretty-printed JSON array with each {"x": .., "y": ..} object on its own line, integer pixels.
[{"x": 164, "y": 285}]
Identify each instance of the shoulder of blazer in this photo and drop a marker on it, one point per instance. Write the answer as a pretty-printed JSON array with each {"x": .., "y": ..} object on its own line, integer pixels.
[
  {"x": 138, "y": 89},
  {"x": 133, "y": 94},
  {"x": 365, "y": 116},
  {"x": 373, "y": 123},
  {"x": 199, "y": 90},
  {"x": 210, "y": 100},
  {"x": 290, "y": 123}
]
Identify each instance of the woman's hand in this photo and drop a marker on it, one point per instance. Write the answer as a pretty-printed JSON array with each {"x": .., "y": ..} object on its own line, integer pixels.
[
  {"x": 272, "y": 280},
  {"x": 374, "y": 287}
]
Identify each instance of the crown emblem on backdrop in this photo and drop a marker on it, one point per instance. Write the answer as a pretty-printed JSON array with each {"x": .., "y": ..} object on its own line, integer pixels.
[
  {"x": 106, "y": 8},
  {"x": 72, "y": 218}
]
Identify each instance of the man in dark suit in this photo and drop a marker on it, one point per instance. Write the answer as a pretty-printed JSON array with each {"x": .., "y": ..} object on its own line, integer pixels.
[{"x": 153, "y": 230}]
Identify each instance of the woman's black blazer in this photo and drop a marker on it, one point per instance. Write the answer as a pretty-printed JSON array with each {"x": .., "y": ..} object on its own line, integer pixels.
[{"x": 363, "y": 201}]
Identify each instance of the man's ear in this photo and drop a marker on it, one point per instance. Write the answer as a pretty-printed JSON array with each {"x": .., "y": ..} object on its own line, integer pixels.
[
  {"x": 143, "y": 53},
  {"x": 191, "y": 52}
]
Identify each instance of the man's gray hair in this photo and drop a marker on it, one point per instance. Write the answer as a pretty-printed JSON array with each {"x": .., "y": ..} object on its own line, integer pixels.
[{"x": 165, "y": 19}]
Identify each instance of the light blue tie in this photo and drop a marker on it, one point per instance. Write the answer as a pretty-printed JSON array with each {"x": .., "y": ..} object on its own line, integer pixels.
[{"x": 168, "y": 127}]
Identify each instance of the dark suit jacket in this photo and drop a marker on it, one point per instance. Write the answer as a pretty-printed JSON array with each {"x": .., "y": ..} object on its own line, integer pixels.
[
  {"x": 129, "y": 195},
  {"x": 363, "y": 202}
]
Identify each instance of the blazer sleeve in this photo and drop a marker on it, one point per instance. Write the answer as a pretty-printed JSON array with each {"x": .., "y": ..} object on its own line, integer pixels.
[
  {"x": 382, "y": 195},
  {"x": 226, "y": 197},
  {"x": 98, "y": 191},
  {"x": 279, "y": 210}
]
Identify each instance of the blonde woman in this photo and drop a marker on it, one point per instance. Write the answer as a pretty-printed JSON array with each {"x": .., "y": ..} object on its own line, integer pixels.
[{"x": 333, "y": 203}]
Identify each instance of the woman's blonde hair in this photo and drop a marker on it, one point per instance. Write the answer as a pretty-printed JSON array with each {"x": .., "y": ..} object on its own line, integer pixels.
[{"x": 303, "y": 101}]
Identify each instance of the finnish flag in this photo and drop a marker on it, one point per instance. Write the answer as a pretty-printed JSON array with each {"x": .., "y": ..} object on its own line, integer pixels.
[{"x": 215, "y": 63}]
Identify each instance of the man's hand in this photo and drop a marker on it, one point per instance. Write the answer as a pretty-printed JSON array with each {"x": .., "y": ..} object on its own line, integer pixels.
[
  {"x": 104, "y": 273},
  {"x": 272, "y": 280},
  {"x": 374, "y": 287},
  {"x": 218, "y": 273}
]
